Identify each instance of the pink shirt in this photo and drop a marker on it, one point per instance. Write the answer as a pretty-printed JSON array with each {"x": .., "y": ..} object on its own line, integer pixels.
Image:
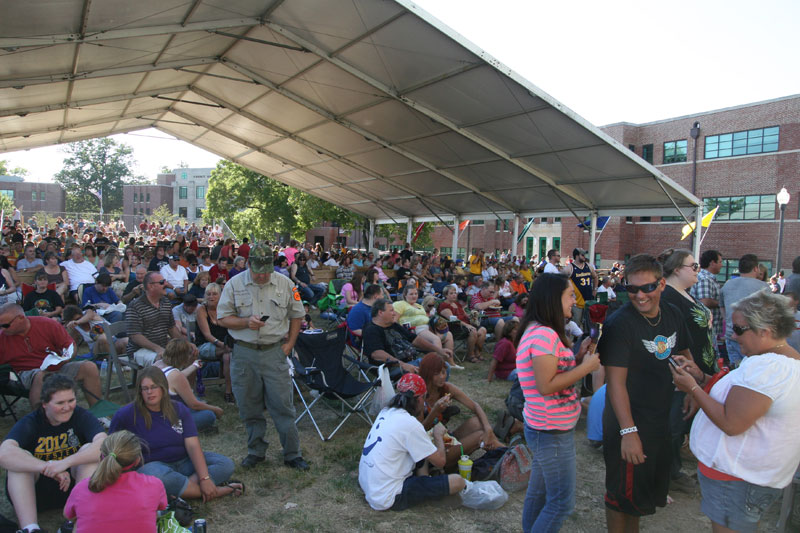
[
  {"x": 289, "y": 253},
  {"x": 127, "y": 506},
  {"x": 559, "y": 410}
]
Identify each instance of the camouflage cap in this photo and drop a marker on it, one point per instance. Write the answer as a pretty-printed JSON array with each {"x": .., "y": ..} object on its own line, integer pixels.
[{"x": 261, "y": 259}]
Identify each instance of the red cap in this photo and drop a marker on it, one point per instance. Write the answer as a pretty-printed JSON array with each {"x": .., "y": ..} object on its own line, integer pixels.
[{"x": 413, "y": 383}]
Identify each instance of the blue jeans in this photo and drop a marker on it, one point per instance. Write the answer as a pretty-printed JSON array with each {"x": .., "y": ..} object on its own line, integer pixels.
[
  {"x": 175, "y": 476},
  {"x": 312, "y": 292},
  {"x": 203, "y": 418},
  {"x": 735, "y": 355},
  {"x": 551, "y": 490}
]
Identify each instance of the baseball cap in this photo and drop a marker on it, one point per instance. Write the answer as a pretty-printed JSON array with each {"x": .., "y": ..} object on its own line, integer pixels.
[
  {"x": 175, "y": 257},
  {"x": 413, "y": 383},
  {"x": 261, "y": 260}
]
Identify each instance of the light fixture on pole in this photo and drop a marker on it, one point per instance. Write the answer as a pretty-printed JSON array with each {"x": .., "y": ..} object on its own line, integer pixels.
[{"x": 783, "y": 199}]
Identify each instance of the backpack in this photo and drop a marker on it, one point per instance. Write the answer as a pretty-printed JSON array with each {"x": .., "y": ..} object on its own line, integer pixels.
[{"x": 512, "y": 469}]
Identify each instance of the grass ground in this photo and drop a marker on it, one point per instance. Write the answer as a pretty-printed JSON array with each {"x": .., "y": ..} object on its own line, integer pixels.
[{"x": 329, "y": 499}]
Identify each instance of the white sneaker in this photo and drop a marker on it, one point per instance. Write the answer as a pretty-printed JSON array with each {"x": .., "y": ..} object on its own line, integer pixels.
[{"x": 456, "y": 367}]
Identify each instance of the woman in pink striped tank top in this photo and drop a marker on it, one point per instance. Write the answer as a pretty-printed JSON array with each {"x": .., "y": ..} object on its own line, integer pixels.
[{"x": 548, "y": 370}]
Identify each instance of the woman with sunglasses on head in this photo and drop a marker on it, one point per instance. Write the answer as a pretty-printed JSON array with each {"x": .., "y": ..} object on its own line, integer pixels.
[
  {"x": 680, "y": 271},
  {"x": 173, "y": 452},
  {"x": 745, "y": 436}
]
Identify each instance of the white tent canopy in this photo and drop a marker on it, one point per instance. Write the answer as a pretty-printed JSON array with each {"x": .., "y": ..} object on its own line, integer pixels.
[{"x": 373, "y": 105}]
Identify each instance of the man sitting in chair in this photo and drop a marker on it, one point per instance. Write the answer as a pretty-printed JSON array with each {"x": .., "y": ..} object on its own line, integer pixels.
[
  {"x": 48, "y": 451},
  {"x": 386, "y": 341},
  {"x": 25, "y": 343},
  {"x": 47, "y": 302}
]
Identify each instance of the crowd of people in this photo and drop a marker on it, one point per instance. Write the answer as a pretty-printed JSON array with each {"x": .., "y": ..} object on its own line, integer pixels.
[{"x": 678, "y": 355}]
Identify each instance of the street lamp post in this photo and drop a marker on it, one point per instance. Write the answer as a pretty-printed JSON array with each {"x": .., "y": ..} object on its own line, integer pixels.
[{"x": 783, "y": 199}]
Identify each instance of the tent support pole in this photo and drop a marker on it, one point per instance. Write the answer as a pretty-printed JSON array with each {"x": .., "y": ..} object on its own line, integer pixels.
[
  {"x": 409, "y": 222},
  {"x": 592, "y": 235},
  {"x": 676, "y": 205},
  {"x": 515, "y": 236},
  {"x": 456, "y": 222},
  {"x": 698, "y": 228},
  {"x": 371, "y": 242}
]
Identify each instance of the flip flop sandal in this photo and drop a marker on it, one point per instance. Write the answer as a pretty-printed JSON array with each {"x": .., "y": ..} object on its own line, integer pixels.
[{"x": 232, "y": 482}]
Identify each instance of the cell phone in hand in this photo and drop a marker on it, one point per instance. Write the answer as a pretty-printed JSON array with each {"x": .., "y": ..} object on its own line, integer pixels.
[{"x": 264, "y": 318}]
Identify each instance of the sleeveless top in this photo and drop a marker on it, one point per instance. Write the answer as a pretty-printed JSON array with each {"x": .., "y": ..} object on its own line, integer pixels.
[
  {"x": 582, "y": 279},
  {"x": 303, "y": 274},
  {"x": 167, "y": 371},
  {"x": 217, "y": 331},
  {"x": 55, "y": 278}
]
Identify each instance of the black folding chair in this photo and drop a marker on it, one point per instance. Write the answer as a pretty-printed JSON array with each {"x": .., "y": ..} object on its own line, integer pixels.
[
  {"x": 11, "y": 391},
  {"x": 318, "y": 366}
]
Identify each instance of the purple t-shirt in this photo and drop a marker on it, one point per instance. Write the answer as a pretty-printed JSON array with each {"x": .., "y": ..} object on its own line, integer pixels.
[{"x": 164, "y": 440}]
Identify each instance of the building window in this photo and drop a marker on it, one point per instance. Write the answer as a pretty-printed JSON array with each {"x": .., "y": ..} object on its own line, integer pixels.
[
  {"x": 184, "y": 175},
  {"x": 742, "y": 143},
  {"x": 671, "y": 219},
  {"x": 675, "y": 152},
  {"x": 647, "y": 153},
  {"x": 628, "y": 219},
  {"x": 8, "y": 193},
  {"x": 730, "y": 269},
  {"x": 183, "y": 193},
  {"x": 41, "y": 196},
  {"x": 198, "y": 212},
  {"x": 556, "y": 220},
  {"x": 632, "y": 147},
  {"x": 148, "y": 210},
  {"x": 182, "y": 212},
  {"x": 645, "y": 219},
  {"x": 200, "y": 192},
  {"x": 502, "y": 225},
  {"x": 148, "y": 197},
  {"x": 556, "y": 244},
  {"x": 33, "y": 195},
  {"x": 141, "y": 211},
  {"x": 135, "y": 197},
  {"x": 755, "y": 207},
  {"x": 477, "y": 223}
]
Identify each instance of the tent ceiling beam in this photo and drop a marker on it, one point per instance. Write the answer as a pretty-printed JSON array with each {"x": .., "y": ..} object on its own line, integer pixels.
[
  {"x": 23, "y": 111},
  {"x": 13, "y": 43},
  {"x": 433, "y": 115},
  {"x": 319, "y": 149},
  {"x": 87, "y": 123},
  {"x": 279, "y": 158},
  {"x": 366, "y": 134},
  {"x": 102, "y": 73}
]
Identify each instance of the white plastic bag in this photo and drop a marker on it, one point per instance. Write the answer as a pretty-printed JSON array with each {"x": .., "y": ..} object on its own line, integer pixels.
[
  {"x": 483, "y": 495},
  {"x": 384, "y": 393}
]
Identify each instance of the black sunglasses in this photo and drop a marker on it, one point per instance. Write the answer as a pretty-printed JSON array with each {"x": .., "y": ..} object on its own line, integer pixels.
[
  {"x": 646, "y": 288},
  {"x": 693, "y": 266},
  {"x": 4, "y": 326},
  {"x": 739, "y": 330}
]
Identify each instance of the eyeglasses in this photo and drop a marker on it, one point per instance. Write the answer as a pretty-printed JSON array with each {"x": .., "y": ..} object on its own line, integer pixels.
[
  {"x": 4, "y": 326},
  {"x": 739, "y": 330},
  {"x": 159, "y": 282},
  {"x": 647, "y": 288},
  {"x": 150, "y": 389},
  {"x": 693, "y": 266}
]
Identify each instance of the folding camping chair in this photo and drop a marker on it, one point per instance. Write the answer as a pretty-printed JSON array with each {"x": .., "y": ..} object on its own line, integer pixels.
[
  {"x": 318, "y": 366},
  {"x": 11, "y": 391},
  {"x": 115, "y": 362}
]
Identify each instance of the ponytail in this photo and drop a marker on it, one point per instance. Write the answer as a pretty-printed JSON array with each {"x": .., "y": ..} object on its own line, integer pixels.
[{"x": 120, "y": 452}]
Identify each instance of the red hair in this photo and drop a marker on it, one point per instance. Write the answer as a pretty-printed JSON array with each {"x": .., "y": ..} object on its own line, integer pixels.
[{"x": 430, "y": 366}]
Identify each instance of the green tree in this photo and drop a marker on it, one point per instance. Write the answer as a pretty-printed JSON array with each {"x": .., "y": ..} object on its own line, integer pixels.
[
  {"x": 163, "y": 214},
  {"x": 16, "y": 171},
  {"x": 252, "y": 203},
  {"x": 94, "y": 165},
  {"x": 398, "y": 231},
  {"x": 6, "y": 204}
]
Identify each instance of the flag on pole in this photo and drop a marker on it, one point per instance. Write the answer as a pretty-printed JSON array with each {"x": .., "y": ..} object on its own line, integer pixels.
[
  {"x": 463, "y": 225},
  {"x": 419, "y": 230},
  {"x": 705, "y": 222},
  {"x": 524, "y": 230},
  {"x": 98, "y": 194}
]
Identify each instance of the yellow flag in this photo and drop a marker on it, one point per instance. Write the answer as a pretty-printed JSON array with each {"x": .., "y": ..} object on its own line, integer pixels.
[{"x": 705, "y": 222}]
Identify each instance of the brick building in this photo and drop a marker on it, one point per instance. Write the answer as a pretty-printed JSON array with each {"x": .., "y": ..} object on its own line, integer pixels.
[
  {"x": 33, "y": 197},
  {"x": 745, "y": 154},
  {"x": 183, "y": 191},
  {"x": 139, "y": 201}
]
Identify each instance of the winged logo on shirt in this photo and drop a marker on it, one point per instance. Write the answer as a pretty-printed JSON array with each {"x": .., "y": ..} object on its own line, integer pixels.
[{"x": 661, "y": 346}]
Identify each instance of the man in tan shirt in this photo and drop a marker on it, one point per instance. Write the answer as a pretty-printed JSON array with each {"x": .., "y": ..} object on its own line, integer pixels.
[{"x": 259, "y": 306}]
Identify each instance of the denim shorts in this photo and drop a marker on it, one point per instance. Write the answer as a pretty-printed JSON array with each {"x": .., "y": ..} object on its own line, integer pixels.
[
  {"x": 420, "y": 489},
  {"x": 489, "y": 322},
  {"x": 737, "y": 505}
]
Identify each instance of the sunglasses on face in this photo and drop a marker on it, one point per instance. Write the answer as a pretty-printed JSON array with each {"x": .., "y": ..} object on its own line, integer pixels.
[
  {"x": 693, "y": 266},
  {"x": 5, "y": 326},
  {"x": 739, "y": 330},
  {"x": 646, "y": 288}
]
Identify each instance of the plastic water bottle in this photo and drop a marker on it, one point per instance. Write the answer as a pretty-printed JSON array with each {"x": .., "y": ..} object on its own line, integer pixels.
[{"x": 103, "y": 365}]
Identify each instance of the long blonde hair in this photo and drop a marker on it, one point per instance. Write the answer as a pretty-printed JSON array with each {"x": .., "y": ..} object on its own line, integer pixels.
[{"x": 119, "y": 452}]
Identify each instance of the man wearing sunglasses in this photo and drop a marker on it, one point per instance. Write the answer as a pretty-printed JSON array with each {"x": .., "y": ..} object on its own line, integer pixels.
[
  {"x": 149, "y": 322},
  {"x": 734, "y": 290},
  {"x": 25, "y": 343},
  {"x": 636, "y": 348}
]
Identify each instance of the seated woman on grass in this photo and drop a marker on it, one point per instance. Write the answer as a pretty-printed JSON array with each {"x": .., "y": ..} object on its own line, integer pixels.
[
  {"x": 476, "y": 432},
  {"x": 504, "y": 358},
  {"x": 177, "y": 365},
  {"x": 173, "y": 453}
]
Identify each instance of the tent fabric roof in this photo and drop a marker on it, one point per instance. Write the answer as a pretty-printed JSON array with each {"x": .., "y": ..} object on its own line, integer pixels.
[{"x": 373, "y": 105}]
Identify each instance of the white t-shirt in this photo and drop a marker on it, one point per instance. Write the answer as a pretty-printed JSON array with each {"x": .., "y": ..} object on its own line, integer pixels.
[
  {"x": 550, "y": 268},
  {"x": 767, "y": 454},
  {"x": 174, "y": 277},
  {"x": 79, "y": 273},
  {"x": 611, "y": 294},
  {"x": 396, "y": 442},
  {"x": 205, "y": 268}
]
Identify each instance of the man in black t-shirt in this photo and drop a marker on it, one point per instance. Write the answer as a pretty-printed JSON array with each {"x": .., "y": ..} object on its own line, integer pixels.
[
  {"x": 159, "y": 261},
  {"x": 47, "y": 302},
  {"x": 48, "y": 451},
  {"x": 384, "y": 338},
  {"x": 636, "y": 348}
]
